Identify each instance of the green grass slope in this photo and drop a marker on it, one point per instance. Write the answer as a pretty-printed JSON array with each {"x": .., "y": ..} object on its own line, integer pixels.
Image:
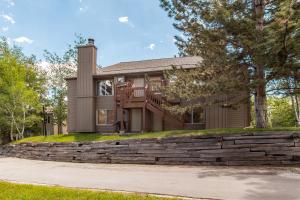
[{"x": 85, "y": 137}]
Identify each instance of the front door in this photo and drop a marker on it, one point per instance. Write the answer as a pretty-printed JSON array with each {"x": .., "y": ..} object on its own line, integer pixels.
[
  {"x": 138, "y": 83},
  {"x": 136, "y": 120}
]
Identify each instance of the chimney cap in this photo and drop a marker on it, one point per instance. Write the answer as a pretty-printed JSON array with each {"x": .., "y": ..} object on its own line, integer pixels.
[{"x": 91, "y": 40}]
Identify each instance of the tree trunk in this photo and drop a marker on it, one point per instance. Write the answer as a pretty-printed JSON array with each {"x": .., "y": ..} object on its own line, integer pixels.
[
  {"x": 295, "y": 106},
  {"x": 23, "y": 123},
  {"x": 59, "y": 128},
  {"x": 11, "y": 131},
  {"x": 260, "y": 102},
  {"x": 261, "y": 106}
]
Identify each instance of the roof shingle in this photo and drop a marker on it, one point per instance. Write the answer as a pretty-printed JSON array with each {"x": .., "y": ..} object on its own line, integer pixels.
[
  {"x": 150, "y": 65},
  {"x": 144, "y": 66}
]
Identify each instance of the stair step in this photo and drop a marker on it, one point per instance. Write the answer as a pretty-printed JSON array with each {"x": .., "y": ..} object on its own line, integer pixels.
[{"x": 167, "y": 116}]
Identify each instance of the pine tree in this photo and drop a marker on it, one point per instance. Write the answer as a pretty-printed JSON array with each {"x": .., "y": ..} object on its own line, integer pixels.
[{"x": 245, "y": 45}]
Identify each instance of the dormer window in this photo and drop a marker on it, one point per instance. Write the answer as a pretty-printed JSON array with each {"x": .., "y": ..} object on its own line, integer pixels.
[{"x": 105, "y": 88}]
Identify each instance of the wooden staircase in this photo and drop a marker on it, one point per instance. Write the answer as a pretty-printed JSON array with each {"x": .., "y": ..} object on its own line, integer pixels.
[
  {"x": 130, "y": 97},
  {"x": 155, "y": 103}
]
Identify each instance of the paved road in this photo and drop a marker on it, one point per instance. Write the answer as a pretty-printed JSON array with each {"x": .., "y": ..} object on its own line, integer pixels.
[{"x": 198, "y": 182}]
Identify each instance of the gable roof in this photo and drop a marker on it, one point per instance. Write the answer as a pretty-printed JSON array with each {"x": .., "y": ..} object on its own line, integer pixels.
[
  {"x": 143, "y": 66},
  {"x": 150, "y": 65}
]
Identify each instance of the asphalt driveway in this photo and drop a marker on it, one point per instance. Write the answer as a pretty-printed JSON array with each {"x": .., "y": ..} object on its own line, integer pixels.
[{"x": 232, "y": 183}]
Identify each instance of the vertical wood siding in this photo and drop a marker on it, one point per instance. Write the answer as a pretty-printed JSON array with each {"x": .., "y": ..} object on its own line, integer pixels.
[
  {"x": 236, "y": 116},
  {"x": 72, "y": 91},
  {"x": 86, "y": 89}
]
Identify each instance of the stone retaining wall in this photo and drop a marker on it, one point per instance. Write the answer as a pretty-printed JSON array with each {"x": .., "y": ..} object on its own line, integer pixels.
[{"x": 241, "y": 149}]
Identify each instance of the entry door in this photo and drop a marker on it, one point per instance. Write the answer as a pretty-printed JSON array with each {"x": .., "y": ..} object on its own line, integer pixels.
[
  {"x": 138, "y": 82},
  {"x": 136, "y": 120}
]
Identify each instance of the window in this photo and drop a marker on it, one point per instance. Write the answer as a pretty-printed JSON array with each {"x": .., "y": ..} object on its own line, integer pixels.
[
  {"x": 196, "y": 116},
  {"x": 105, "y": 88},
  {"x": 121, "y": 79},
  {"x": 155, "y": 84},
  {"x": 105, "y": 117}
]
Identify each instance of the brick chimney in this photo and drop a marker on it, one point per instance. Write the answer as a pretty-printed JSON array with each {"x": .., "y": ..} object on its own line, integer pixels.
[{"x": 87, "y": 57}]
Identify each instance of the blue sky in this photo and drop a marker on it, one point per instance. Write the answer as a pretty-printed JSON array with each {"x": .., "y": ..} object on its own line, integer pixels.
[{"x": 123, "y": 30}]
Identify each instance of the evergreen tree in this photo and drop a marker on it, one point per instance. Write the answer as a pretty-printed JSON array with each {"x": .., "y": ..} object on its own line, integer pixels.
[{"x": 245, "y": 44}]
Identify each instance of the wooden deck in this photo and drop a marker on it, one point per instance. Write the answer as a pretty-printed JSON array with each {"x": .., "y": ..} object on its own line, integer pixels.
[{"x": 142, "y": 97}]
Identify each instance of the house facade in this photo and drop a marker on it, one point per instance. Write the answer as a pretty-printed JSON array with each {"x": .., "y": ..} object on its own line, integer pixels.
[{"x": 125, "y": 97}]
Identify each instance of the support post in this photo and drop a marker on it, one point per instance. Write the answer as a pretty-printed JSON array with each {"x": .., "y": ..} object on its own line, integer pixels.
[{"x": 122, "y": 120}]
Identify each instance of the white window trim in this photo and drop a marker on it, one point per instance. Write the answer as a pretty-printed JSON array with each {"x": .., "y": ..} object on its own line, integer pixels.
[
  {"x": 98, "y": 89},
  {"x": 97, "y": 112}
]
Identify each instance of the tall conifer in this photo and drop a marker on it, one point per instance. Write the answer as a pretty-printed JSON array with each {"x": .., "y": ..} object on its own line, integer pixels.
[{"x": 245, "y": 44}]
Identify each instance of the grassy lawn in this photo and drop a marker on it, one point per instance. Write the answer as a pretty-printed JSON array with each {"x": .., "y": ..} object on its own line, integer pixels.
[
  {"x": 80, "y": 137},
  {"x": 9, "y": 191}
]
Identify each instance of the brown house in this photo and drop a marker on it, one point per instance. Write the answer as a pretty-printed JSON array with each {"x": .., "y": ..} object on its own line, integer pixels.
[{"x": 125, "y": 97}]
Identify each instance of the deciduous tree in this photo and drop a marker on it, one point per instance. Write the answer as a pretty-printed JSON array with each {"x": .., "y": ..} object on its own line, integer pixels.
[
  {"x": 61, "y": 67},
  {"x": 21, "y": 88}
]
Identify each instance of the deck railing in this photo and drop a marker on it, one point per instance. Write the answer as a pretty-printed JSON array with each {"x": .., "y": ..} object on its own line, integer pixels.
[{"x": 129, "y": 94}]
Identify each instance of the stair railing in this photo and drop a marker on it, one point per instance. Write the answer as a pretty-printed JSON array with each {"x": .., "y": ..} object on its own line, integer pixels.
[{"x": 158, "y": 101}]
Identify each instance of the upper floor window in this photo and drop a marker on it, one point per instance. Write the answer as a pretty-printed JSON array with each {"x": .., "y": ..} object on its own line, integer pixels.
[
  {"x": 155, "y": 83},
  {"x": 105, "y": 88},
  {"x": 121, "y": 79}
]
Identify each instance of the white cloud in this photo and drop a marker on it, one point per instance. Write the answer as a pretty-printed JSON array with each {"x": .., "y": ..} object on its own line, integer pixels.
[
  {"x": 123, "y": 19},
  {"x": 10, "y": 2},
  {"x": 8, "y": 40},
  {"x": 83, "y": 8},
  {"x": 8, "y": 18},
  {"x": 151, "y": 46},
  {"x": 23, "y": 39},
  {"x": 3, "y": 29}
]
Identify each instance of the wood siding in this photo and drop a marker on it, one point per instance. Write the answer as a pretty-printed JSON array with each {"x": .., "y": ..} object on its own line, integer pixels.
[
  {"x": 136, "y": 120},
  {"x": 85, "y": 120},
  {"x": 72, "y": 91},
  {"x": 105, "y": 102},
  {"x": 216, "y": 116},
  {"x": 236, "y": 116},
  {"x": 86, "y": 117},
  {"x": 156, "y": 122}
]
